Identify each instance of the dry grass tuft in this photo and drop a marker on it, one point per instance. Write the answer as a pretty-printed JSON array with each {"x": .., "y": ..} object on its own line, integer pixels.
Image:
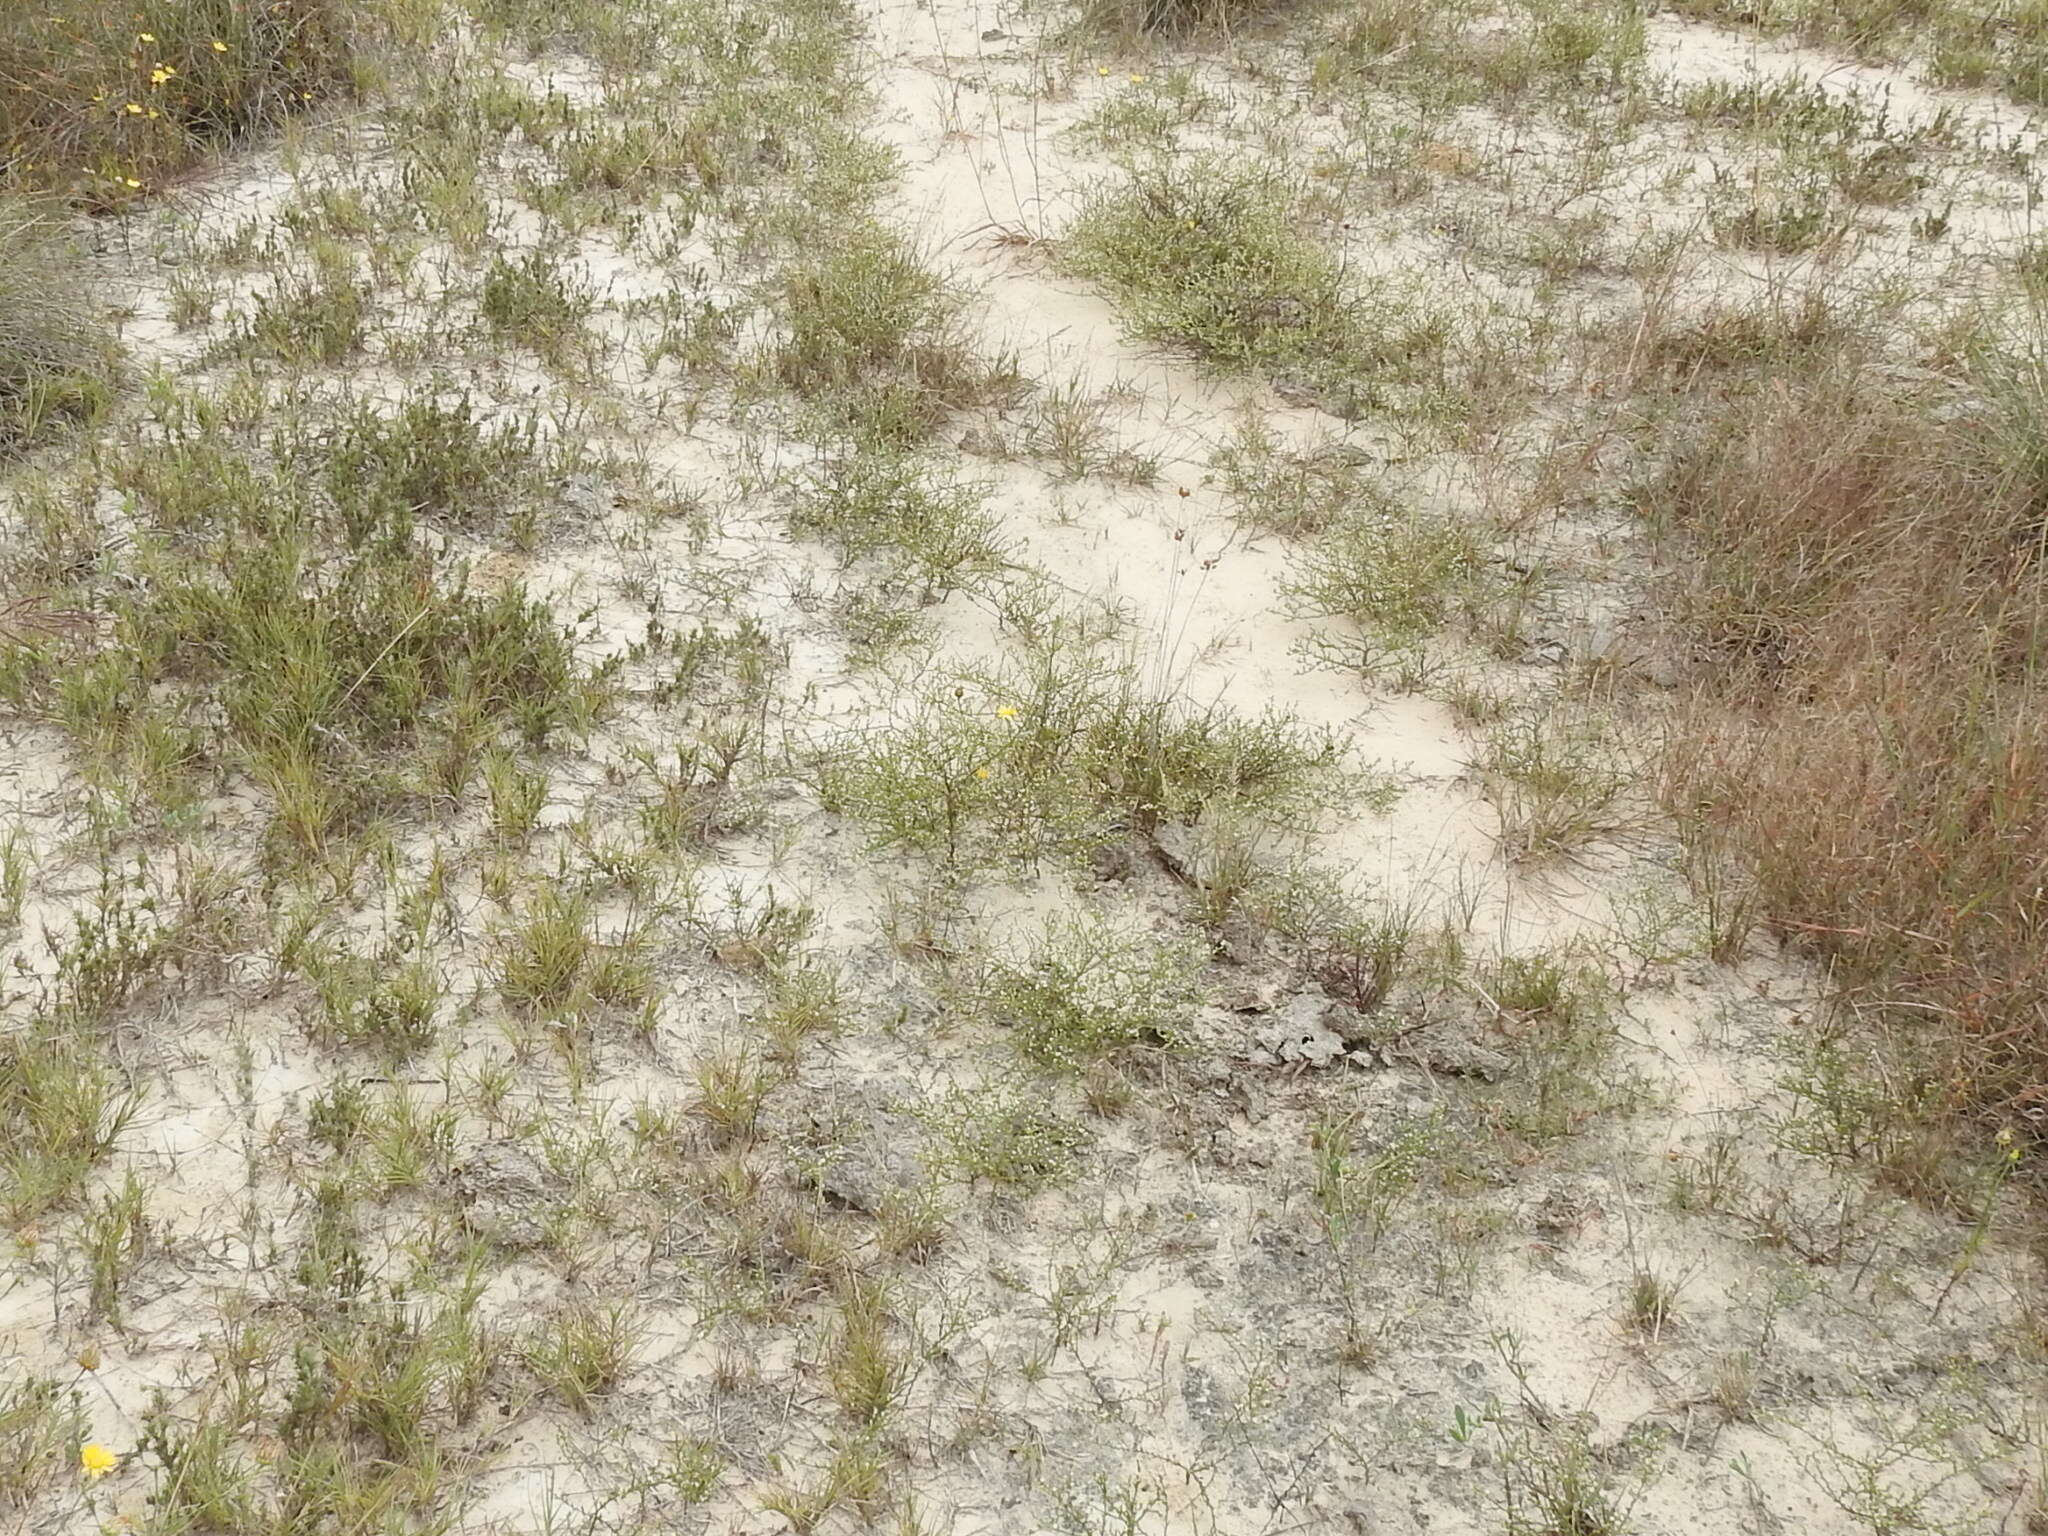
[
  {"x": 1868, "y": 568},
  {"x": 56, "y": 361}
]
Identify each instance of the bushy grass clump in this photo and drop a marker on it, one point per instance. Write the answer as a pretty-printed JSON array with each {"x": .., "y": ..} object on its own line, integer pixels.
[
  {"x": 1128, "y": 20},
  {"x": 1050, "y": 755},
  {"x": 56, "y": 359},
  {"x": 1086, "y": 985},
  {"x": 1211, "y": 261},
  {"x": 277, "y": 614},
  {"x": 105, "y": 103},
  {"x": 875, "y": 339}
]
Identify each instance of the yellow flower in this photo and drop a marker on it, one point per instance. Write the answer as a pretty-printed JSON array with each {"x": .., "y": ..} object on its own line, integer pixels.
[
  {"x": 147, "y": 37},
  {"x": 160, "y": 74},
  {"x": 1102, "y": 69},
  {"x": 130, "y": 181},
  {"x": 96, "y": 1461},
  {"x": 1137, "y": 79},
  {"x": 981, "y": 773},
  {"x": 1006, "y": 711},
  {"x": 219, "y": 46},
  {"x": 135, "y": 107}
]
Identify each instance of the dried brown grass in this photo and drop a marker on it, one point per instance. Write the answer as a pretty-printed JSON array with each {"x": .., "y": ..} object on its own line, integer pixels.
[{"x": 1862, "y": 557}]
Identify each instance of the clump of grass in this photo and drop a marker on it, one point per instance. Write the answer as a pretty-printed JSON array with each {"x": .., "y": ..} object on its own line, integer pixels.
[
  {"x": 1862, "y": 555},
  {"x": 551, "y": 962},
  {"x": 866, "y": 1370},
  {"x": 1040, "y": 758},
  {"x": 41, "y": 1425},
  {"x": 1212, "y": 261},
  {"x": 874, "y": 337},
  {"x": 535, "y": 302},
  {"x": 583, "y": 1351},
  {"x": 1454, "y": 54},
  {"x": 319, "y": 316},
  {"x": 926, "y": 531},
  {"x": 1005, "y": 1132},
  {"x": 1128, "y": 20},
  {"x": 61, "y": 1112},
  {"x": 340, "y": 680},
  {"x": 1359, "y": 947},
  {"x": 106, "y": 103},
  {"x": 1652, "y": 1303},
  {"x": 433, "y": 457},
  {"x": 56, "y": 360},
  {"x": 1275, "y": 489},
  {"x": 1559, "y": 782},
  {"x": 1086, "y": 985},
  {"x": 1396, "y": 573}
]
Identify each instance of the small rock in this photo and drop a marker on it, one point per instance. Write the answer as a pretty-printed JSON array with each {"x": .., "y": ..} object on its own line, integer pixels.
[
  {"x": 1347, "y": 1024},
  {"x": 1180, "y": 850},
  {"x": 1239, "y": 940},
  {"x": 1244, "y": 997},
  {"x": 1112, "y": 861},
  {"x": 1298, "y": 1044},
  {"x": 863, "y": 1178},
  {"x": 506, "y": 1194},
  {"x": 1299, "y": 1036},
  {"x": 1447, "y": 1049}
]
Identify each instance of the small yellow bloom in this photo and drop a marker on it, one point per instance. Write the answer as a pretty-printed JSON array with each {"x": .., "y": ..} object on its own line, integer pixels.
[
  {"x": 1137, "y": 79},
  {"x": 96, "y": 1461},
  {"x": 154, "y": 113},
  {"x": 159, "y": 75},
  {"x": 981, "y": 773},
  {"x": 219, "y": 46},
  {"x": 130, "y": 181},
  {"x": 147, "y": 37},
  {"x": 135, "y": 107},
  {"x": 1006, "y": 711},
  {"x": 1102, "y": 69}
]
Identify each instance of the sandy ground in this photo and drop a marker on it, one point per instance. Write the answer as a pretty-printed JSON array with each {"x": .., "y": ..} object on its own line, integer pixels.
[{"x": 1170, "y": 1338}]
